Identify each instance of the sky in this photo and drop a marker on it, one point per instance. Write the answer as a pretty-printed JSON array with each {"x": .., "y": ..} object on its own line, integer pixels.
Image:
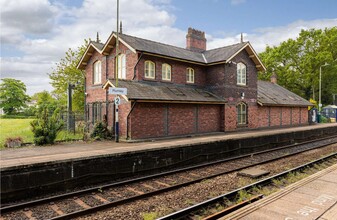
[{"x": 35, "y": 34}]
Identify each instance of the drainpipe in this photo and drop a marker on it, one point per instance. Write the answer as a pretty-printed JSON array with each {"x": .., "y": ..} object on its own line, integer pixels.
[
  {"x": 127, "y": 120},
  {"x": 134, "y": 69}
]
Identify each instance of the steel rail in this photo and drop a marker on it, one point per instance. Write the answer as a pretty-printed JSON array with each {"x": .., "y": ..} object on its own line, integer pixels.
[
  {"x": 122, "y": 201},
  {"x": 187, "y": 211}
]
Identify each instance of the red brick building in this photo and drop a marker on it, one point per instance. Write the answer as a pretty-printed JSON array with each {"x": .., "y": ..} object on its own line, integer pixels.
[{"x": 174, "y": 91}]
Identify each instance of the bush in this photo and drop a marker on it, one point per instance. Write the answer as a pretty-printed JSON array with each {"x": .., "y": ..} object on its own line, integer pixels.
[
  {"x": 46, "y": 128},
  {"x": 100, "y": 131}
]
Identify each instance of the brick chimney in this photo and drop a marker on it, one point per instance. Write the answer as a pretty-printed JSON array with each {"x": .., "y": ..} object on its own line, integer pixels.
[
  {"x": 273, "y": 78},
  {"x": 195, "y": 40}
]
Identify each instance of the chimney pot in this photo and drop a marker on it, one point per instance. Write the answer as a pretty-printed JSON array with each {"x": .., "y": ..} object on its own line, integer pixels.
[{"x": 195, "y": 40}]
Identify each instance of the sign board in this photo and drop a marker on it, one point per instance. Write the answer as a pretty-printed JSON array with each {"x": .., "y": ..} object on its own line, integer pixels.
[
  {"x": 117, "y": 100},
  {"x": 118, "y": 91}
]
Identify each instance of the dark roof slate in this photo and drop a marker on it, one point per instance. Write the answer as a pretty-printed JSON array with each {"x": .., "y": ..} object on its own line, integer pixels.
[
  {"x": 270, "y": 94},
  {"x": 97, "y": 45},
  {"x": 222, "y": 53},
  {"x": 208, "y": 56},
  {"x": 141, "y": 90},
  {"x": 162, "y": 49}
]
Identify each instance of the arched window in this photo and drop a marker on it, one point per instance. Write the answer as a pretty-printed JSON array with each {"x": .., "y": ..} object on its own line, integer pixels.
[
  {"x": 121, "y": 66},
  {"x": 149, "y": 69},
  {"x": 190, "y": 75},
  {"x": 97, "y": 77},
  {"x": 242, "y": 113},
  {"x": 241, "y": 74},
  {"x": 166, "y": 72}
]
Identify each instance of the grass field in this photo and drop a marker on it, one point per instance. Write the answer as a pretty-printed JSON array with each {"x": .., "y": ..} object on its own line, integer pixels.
[{"x": 21, "y": 128}]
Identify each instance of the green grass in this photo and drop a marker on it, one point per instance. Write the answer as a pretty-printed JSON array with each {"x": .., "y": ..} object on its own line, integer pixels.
[
  {"x": 15, "y": 128},
  {"x": 11, "y": 128}
]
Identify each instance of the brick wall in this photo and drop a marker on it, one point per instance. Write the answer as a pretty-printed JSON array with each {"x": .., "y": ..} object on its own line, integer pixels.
[
  {"x": 181, "y": 119},
  {"x": 149, "y": 120},
  {"x": 178, "y": 71},
  {"x": 209, "y": 118},
  {"x": 286, "y": 116},
  {"x": 222, "y": 79},
  {"x": 282, "y": 116},
  {"x": 253, "y": 116},
  {"x": 230, "y": 117},
  {"x": 304, "y": 115}
]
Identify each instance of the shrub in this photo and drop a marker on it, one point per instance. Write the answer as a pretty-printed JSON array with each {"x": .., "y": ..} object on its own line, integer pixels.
[
  {"x": 46, "y": 128},
  {"x": 100, "y": 131}
]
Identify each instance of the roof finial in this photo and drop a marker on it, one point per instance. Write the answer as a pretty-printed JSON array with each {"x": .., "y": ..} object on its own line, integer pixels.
[
  {"x": 97, "y": 38},
  {"x": 241, "y": 37},
  {"x": 121, "y": 28}
]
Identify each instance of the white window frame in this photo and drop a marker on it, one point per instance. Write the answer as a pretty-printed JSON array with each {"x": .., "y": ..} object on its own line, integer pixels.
[
  {"x": 166, "y": 72},
  {"x": 97, "y": 77},
  {"x": 241, "y": 71},
  {"x": 149, "y": 69},
  {"x": 190, "y": 75},
  {"x": 121, "y": 66},
  {"x": 242, "y": 113}
]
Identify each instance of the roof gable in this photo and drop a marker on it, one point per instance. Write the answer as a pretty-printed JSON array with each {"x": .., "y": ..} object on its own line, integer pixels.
[{"x": 209, "y": 57}]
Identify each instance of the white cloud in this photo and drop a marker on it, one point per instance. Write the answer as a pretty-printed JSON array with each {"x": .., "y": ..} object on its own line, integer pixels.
[
  {"x": 44, "y": 30},
  {"x": 273, "y": 36}
]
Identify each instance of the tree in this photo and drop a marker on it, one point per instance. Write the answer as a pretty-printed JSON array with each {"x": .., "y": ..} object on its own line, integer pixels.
[
  {"x": 66, "y": 72},
  {"x": 45, "y": 100},
  {"x": 46, "y": 128},
  {"x": 297, "y": 63},
  {"x": 13, "y": 96}
]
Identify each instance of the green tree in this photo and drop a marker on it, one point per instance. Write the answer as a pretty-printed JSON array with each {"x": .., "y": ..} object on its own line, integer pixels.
[
  {"x": 45, "y": 100},
  {"x": 46, "y": 127},
  {"x": 297, "y": 63},
  {"x": 66, "y": 72},
  {"x": 13, "y": 96}
]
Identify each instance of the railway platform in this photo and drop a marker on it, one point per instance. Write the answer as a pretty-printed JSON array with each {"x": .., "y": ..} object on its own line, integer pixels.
[
  {"x": 26, "y": 156},
  {"x": 68, "y": 165},
  {"x": 314, "y": 197}
]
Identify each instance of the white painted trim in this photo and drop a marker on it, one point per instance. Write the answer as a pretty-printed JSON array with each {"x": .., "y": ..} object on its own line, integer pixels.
[
  {"x": 247, "y": 44},
  {"x": 113, "y": 35}
]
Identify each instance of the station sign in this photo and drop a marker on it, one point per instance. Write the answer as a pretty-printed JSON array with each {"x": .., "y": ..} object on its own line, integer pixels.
[
  {"x": 118, "y": 91},
  {"x": 117, "y": 100}
]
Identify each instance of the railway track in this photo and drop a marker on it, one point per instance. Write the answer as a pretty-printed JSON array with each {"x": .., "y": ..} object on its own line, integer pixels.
[
  {"x": 87, "y": 201},
  {"x": 191, "y": 211}
]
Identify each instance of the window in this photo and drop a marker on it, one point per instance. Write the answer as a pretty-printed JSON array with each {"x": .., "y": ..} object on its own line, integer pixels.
[
  {"x": 121, "y": 66},
  {"x": 190, "y": 75},
  {"x": 242, "y": 113},
  {"x": 166, "y": 72},
  {"x": 241, "y": 74},
  {"x": 149, "y": 69},
  {"x": 97, "y": 72}
]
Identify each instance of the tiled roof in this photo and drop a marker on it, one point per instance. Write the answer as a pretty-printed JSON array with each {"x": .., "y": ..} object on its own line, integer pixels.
[
  {"x": 222, "y": 53},
  {"x": 162, "y": 49},
  {"x": 215, "y": 55},
  {"x": 97, "y": 45},
  {"x": 270, "y": 94},
  {"x": 157, "y": 91}
]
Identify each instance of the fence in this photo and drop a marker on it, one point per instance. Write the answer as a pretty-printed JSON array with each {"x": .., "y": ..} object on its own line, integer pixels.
[{"x": 72, "y": 119}]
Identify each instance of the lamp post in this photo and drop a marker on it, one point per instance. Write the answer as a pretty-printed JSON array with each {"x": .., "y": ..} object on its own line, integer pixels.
[{"x": 320, "y": 87}]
